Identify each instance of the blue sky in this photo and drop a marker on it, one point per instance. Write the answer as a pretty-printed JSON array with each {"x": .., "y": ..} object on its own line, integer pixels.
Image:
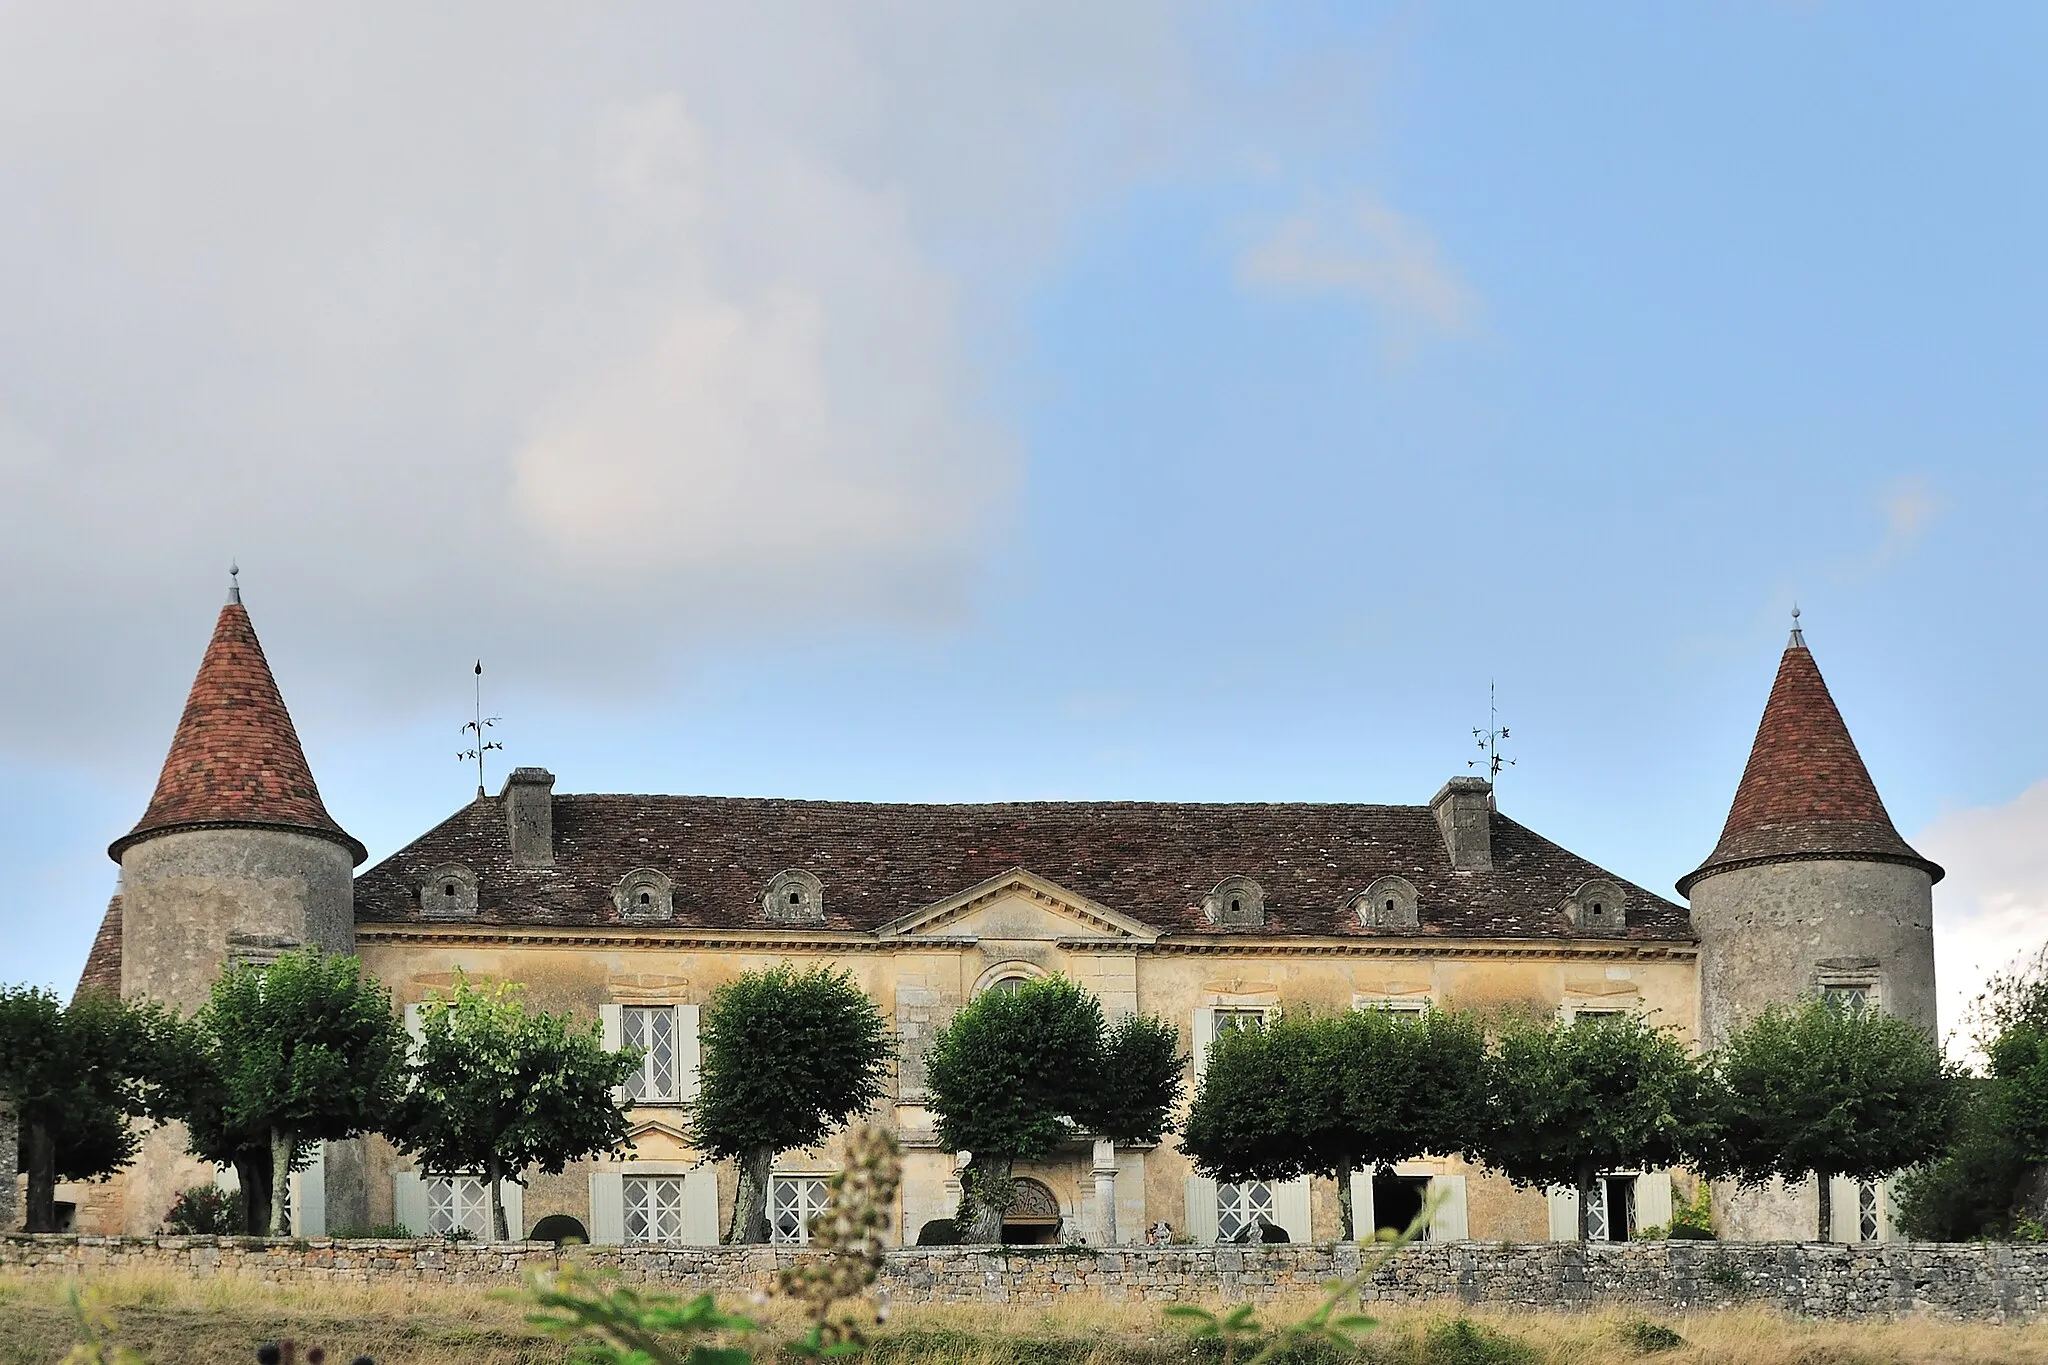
[{"x": 1193, "y": 402}]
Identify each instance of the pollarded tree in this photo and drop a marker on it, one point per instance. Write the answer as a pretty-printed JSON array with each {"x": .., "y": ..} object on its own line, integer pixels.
[
  {"x": 788, "y": 1056},
  {"x": 493, "y": 1089},
  {"x": 1568, "y": 1101},
  {"x": 303, "y": 1050},
  {"x": 1017, "y": 1072},
  {"x": 1827, "y": 1089},
  {"x": 1331, "y": 1094},
  {"x": 78, "y": 1075}
]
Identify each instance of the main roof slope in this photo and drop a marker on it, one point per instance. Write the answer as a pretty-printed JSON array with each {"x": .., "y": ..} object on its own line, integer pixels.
[
  {"x": 1153, "y": 861},
  {"x": 236, "y": 759},
  {"x": 1805, "y": 792}
]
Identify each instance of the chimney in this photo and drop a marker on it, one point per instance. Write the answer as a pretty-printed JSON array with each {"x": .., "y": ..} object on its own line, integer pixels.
[
  {"x": 1464, "y": 810},
  {"x": 529, "y": 798}
]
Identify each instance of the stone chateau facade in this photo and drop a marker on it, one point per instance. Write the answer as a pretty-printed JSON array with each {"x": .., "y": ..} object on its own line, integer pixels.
[{"x": 632, "y": 910}]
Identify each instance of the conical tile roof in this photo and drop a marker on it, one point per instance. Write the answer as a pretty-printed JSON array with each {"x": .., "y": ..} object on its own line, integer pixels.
[
  {"x": 236, "y": 760},
  {"x": 1805, "y": 793}
]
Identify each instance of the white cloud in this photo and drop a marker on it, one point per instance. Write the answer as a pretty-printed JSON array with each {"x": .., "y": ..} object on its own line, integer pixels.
[
  {"x": 1909, "y": 505},
  {"x": 511, "y": 329},
  {"x": 1991, "y": 910},
  {"x": 1361, "y": 246}
]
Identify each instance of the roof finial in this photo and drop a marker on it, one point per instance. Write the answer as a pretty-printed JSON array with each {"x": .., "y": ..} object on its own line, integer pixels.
[
  {"x": 1798, "y": 641},
  {"x": 234, "y": 583}
]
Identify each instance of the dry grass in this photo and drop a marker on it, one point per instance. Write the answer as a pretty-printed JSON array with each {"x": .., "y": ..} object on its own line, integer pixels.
[{"x": 176, "y": 1318}]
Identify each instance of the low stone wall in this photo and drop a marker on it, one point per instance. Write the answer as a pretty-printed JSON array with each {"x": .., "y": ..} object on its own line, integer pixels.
[
  {"x": 10, "y": 1179},
  {"x": 1983, "y": 1281}
]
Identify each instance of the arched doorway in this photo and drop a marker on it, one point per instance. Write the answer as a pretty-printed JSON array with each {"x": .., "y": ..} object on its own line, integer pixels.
[{"x": 1034, "y": 1216}]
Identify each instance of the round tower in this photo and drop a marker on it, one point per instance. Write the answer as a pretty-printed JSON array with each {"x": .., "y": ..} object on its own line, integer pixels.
[
  {"x": 235, "y": 860},
  {"x": 1810, "y": 891}
]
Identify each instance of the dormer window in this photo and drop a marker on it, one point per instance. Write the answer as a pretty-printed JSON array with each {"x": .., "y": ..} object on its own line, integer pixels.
[
  {"x": 1597, "y": 907},
  {"x": 794, "y": 897},
  {"x": 1236, "y": 903},
  {"x": 1389, "y": 903},
  {"x": 645, "y": 895},
  {"x": 448, "y": 892}
]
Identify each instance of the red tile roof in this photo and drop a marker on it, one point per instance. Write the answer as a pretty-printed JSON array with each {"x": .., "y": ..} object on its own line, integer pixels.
[
  {"x": 1805, "y": 793},
  {"x": 236, "y": 760},
  {"x": 103, "y": 964}
]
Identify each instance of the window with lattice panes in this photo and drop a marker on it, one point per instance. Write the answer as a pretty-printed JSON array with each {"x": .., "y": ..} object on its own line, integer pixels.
[
  {"x": 1236, "y": 1021},
  {"x": 458, "y": 1202},
  {"x": 1853, "y": 997},
  {"x": 652, "y": 1029},
  {"x": 1242, "y": 1209},
  {"x": 1611, "y": 1213},
  {"x": 1866, "y": 1212},
  {"x": 654, "y": 1208},
  {"x": 793, "y": 1200}
]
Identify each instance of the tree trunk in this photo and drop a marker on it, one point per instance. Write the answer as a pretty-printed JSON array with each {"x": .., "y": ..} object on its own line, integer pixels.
[
  {"x": 1346, "y": 1231},
  {"x": 988, "y": 1180},
  {"x": 1586, "y": 1179},
  {"x": 495, "y": 1174},
  {"x": 252, "y": 1173},
  {"x": 750, "y": 1202},
  {"x": 42, "y": 1180},
  {"x": 1827, "y": 1211},
  {"x": 282, "y": 1142}
]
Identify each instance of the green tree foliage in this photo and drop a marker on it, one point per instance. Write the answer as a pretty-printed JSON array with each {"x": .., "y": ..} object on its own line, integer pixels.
[
  {"x": 301, "y": 1051},
  {"x": 1328, "y": 1094},
  {"x": 788, "y": 1056},
  {"x": 494, "y": 1089},
  {"x": 1567, "y": 1101},
  {"x": 1968, "y": 1190},
  {"x": 1824, "y": 1089},
  {"x": 78, "y": 1075},
  {"x": 1017, "y": 1072}
]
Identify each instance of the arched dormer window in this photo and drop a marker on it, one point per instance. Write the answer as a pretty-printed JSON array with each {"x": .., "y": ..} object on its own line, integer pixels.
[
  {"x": 645, "y": 895},
  {"x": 448, "y": 892},
  {"x": 1389, "y": 903},
  {"x": 1236, "y": 903},
  {"x": 1597, "y": 907},
  {"x": 794, "y": 897}
]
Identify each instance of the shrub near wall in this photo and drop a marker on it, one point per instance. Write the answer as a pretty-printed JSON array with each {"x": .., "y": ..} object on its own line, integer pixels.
[{"x": 1988, "y": 1281}]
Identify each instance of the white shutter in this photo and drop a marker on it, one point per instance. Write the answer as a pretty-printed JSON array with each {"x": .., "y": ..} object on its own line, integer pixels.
[
  {"x": 607, "y": 1208},
  {"x": 1653, "y": 1200},
  {"x": 612, "y": 1024},
  {"x": 1201, "y": 1209},
  {"x": 309, "y": 1196},
  {"x": 1290, "y": 1208},
  {"x": 700, "y": 1206},
  {"x": 414, "y": 1028},
  {"x": 1564, "y": 1213},
  {"x": 409, "y": 1202},
  {"x": 1203, "y": 1032},
  {"x": 689, "y": 1056},
  {"x": 513, "y": 1195},
  {"x": 1363, "y": 1224},
  {"x": 1448, "y": 1223},
  {"x": 1846, "y": 1218}
]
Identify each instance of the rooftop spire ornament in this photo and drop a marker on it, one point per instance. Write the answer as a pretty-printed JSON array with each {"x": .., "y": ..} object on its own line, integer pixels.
[
  {"x": 1798, "y": 640},
  {"x": 1489, "y": 740},
  {"x": 234, "y": 584},
  {"x": 475, "y": 730}
]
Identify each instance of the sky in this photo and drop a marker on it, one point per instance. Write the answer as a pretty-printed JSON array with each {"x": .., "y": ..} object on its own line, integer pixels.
[{"x": 919, "y": 401}]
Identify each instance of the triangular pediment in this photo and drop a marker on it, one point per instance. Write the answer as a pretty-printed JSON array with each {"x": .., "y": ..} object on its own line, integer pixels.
[{"x": 1016, "y": 905}]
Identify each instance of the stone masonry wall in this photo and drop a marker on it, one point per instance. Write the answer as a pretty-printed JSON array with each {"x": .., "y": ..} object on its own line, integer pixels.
[
  {"x": 1991, "y": 1282},
  {"x": 10, "y": 1209}
]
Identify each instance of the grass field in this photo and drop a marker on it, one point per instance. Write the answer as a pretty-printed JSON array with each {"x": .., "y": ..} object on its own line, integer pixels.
[{"x": 175, "y": 1319}]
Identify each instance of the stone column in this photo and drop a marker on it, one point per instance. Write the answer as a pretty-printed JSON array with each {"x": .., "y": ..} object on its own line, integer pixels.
[
  {"x": 10, "y": 1208},
  {"x": 1105, "y": 1192}
]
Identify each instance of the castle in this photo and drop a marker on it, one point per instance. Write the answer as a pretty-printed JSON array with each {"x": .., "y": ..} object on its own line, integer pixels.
[{"x": 632, "y": 910}]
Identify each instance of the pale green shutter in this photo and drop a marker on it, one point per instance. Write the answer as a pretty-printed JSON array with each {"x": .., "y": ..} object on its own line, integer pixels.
[
  {"x": 514, "y": 1197},
  {"x": 1564, "y": 1213},
  {"x": 1449, "y": 1222},
  {"x": 409, "y": 1202},
  {"x": 309, "y": 1196},
  {"x": 607, "y": 1208},
  {"x": 414, "y": 1029},
  {"x": 1653, "y": 1200},
  {"x": 1291, "y": 1208},
  {"x": 1363, "y": 1223},
  {"x": 689, "y": 1056},
  {"x": 700, "y": 1207},
  {"x": 1846, "y": 1217},
  {"x": 1201, "y": 1209},
  {"x": 613, "y": 1038},
  {"x": 1202, "y": 1032}
]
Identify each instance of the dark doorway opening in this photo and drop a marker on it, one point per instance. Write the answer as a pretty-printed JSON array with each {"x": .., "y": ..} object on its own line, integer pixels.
[
  {"x": 560, "y": 1229},
  {"x": 1396, "y": 1199},
  {"x": 1034, "y": 1216}
]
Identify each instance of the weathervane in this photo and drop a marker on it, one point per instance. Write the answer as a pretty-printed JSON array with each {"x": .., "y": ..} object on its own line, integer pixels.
[
  {"x": 475, "y": 729},
  {"x": 1489, "y": 740}
]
